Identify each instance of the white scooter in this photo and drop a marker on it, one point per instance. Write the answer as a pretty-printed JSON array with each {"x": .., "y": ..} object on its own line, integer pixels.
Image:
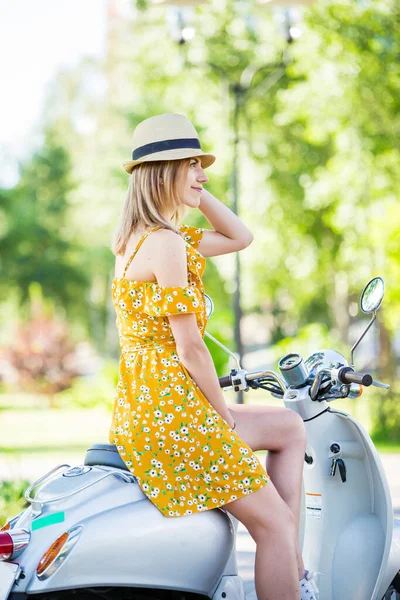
[{"x": 90, "y": 532}]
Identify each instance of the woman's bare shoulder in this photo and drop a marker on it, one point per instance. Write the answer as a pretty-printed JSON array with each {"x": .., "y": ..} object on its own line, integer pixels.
[
  {"x": 168, "y": 258},
  {"x": 167, "y": 240}
]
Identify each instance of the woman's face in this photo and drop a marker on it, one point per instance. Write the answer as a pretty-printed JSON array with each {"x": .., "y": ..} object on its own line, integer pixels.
[{"x": 192, "y": 183}]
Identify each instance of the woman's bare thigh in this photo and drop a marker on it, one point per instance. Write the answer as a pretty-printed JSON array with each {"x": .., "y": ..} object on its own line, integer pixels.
[{"x": 266, "y": 427}]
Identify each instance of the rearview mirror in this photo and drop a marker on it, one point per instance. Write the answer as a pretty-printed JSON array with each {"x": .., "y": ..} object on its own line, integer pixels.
[
  {"x": 372, "y": 296},
  {"x": 371, "y": 299},
  {"x": 209, "y": 305}
]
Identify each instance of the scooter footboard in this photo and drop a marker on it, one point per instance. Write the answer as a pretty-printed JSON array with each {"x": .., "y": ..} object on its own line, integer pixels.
[{"x": 355, "y": 554}]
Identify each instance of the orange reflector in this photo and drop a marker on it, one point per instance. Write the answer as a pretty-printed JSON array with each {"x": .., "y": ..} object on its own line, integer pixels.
[
  {"x": 51, "y": 553},
  {"x": 6, "y": 527},
  {"x": 355, "y": 391}
]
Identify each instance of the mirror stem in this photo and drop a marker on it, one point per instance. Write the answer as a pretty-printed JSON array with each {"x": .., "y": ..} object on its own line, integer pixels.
[
  {"x": 234, "y": 356},
  {"x": 359, "y": 340}
]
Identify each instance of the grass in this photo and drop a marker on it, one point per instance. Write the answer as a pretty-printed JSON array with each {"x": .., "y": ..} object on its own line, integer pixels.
[{"x": 41, "y": 429}]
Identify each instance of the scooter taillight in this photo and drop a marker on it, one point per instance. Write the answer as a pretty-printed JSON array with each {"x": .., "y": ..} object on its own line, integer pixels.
[
  {"x": 6, "y": 546},
  {"x": 13, "y": 542}
]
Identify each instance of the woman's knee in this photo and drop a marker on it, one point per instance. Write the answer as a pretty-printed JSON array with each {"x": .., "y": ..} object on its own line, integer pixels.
[
  {"x": 279, "y": 523},
  {"x": 264, "y": 513},
  {"x": 297, "y": 428}
]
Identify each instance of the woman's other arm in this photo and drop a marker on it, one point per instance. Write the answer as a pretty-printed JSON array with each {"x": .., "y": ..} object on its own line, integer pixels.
[{"x": 169, "y": 265}]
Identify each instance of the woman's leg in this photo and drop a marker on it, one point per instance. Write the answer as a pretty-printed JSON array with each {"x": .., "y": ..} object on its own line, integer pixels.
[
  {"x": 273, "y": 530},
  {"x": 280, "y": 431}
]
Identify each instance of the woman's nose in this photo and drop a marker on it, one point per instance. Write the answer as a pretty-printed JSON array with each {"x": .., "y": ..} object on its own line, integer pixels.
[{"x": 202, "y": 177}]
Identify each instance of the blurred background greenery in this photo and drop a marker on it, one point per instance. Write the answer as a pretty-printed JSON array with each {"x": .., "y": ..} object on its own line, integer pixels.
[{"x": 310, "y": 126}]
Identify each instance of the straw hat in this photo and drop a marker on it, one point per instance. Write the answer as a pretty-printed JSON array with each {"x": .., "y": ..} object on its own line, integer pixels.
[{"x": 166, "y": 137}]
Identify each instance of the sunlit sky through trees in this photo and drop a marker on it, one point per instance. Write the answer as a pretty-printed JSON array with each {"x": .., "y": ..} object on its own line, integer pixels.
[{"x": 36, "y": 40}]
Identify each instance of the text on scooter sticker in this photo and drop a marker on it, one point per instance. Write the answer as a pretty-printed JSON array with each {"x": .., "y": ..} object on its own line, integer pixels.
[{"x": 314, "y": 505}]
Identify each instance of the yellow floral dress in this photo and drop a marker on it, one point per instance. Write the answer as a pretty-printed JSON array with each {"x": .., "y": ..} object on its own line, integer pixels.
[{"x": 184, "y": 455}]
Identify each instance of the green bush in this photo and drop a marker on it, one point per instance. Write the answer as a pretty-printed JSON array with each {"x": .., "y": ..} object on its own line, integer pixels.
[
  {"x": 12, "y": 499},
  {"x": 386, "y": 417}
]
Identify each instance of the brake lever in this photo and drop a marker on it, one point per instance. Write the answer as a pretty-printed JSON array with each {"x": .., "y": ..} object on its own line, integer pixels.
[{"x": 379, "y": 384}]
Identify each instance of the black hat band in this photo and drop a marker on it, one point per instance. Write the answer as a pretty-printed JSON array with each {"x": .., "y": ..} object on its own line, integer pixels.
[{"x": 165, "y": 145}]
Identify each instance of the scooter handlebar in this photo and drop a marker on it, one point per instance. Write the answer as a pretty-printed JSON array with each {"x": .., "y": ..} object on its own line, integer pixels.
[
  {"x": 347, "y": 375},
  {"x": 240, "y": 379},
  {"x": 225, "y": 381}
]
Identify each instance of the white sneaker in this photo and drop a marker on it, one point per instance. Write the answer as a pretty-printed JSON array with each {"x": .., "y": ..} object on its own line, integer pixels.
[{"x": 308, "y": 587}]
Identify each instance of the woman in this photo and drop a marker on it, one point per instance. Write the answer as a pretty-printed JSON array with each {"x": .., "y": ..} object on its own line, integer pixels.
[{"x": 188, "y": 449}]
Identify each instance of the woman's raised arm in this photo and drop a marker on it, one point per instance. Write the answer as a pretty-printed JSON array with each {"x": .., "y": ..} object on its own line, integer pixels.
[{"x": 230, "y": 233}]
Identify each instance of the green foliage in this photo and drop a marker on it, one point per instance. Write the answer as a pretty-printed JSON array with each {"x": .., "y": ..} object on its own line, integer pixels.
[
  {"x": 37, "y": 243},
  {"x": 309, "y": 339},
  {"x": 220, "y": 323},
  {"x": 12, "y": 499},
  {"x": 386, "y": 417},
  {"x": 329, "y": 130}
]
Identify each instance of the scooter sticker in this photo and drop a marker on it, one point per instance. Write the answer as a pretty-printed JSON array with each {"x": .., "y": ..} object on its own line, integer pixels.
[
  {"x": 314, "y": 505},
  {"x": 48, "y": 520}
]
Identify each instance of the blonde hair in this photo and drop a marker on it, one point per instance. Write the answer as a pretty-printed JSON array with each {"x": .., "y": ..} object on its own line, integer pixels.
[{"x": 153, "y": 188}]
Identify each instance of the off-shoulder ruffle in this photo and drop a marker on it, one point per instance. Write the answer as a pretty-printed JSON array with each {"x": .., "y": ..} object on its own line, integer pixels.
[
  {"x": 157, "y": 301},
  {"x": 192, "y": 235}
]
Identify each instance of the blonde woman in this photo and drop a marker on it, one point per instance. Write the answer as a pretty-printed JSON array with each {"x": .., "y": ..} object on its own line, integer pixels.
[{"x": 188, "y": 449}]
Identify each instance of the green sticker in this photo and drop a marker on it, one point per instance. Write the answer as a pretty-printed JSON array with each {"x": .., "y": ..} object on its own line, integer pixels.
[{"x": 49, "y": 520}]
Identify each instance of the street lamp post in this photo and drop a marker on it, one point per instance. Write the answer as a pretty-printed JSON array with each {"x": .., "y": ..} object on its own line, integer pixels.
[{"x": 237, "y": 94}]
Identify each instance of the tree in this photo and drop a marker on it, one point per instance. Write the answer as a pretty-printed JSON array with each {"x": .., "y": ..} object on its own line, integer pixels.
[{"x": 38, "y": 244}]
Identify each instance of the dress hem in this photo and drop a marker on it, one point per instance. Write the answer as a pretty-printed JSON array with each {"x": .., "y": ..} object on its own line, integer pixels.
[{"x": 197, "y": 512}]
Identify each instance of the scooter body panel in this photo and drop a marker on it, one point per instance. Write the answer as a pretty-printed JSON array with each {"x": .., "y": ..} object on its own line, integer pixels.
[
  {"x": 348, "y": 525},
  {"x": 135, "y": 545},
  {"x": 126, "y": 540}
]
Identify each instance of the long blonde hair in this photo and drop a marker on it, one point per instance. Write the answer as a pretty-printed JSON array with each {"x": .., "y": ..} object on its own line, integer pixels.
[{"x": 153, "y": 188}]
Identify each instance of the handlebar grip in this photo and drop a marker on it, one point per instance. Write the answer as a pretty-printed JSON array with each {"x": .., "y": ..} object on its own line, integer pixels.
[
  {"x": 347, "y": 375},
  {"x": 225, "y": 381}
]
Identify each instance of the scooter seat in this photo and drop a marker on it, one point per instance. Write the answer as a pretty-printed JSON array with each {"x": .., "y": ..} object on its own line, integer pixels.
[{"x": 106, "y": 455}]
